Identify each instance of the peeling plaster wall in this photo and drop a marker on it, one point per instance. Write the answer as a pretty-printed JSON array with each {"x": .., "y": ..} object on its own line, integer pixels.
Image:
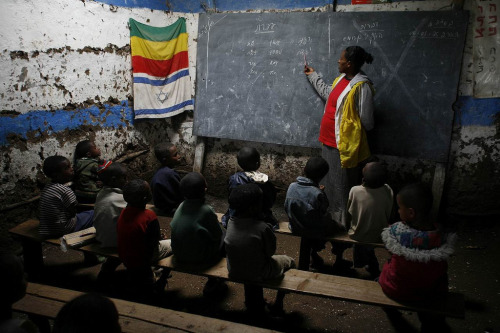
[{"x": 66, "y": 76}]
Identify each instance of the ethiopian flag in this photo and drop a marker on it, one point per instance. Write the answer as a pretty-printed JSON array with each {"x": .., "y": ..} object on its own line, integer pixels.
[{"x": 160, "y": 65}]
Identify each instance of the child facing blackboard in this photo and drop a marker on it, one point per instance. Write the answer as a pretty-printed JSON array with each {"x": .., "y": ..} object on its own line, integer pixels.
[{"x": 249, "y": 160}]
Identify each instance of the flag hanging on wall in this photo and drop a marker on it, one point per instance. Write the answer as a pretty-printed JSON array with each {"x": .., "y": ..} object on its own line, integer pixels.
[{"x": 160, "y": 65}]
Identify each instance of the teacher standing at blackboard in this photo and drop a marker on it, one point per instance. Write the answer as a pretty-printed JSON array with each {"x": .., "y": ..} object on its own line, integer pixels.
[{"x": 348, "y": 114}]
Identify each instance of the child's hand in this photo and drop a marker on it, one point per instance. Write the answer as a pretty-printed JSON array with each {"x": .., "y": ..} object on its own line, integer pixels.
[{"x": 322, "y": 187}]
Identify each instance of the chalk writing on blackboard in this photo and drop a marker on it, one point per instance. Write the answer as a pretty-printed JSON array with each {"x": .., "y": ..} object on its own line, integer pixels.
[{"x": 251, "y": 86}]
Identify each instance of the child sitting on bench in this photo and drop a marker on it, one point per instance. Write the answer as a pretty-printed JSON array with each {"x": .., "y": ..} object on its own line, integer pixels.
[
  {"x": 418, "y": 267},
  {"x": 107, "y": 209},
  {"x": 109, "y": 204},
  {"x": 251, "y": 244},
  {"x": 369, "y": 209},
  {"x": 249, "y": 160},
  {"x": 86, "y": 183},
  {"x": 58, "y": 202},
  {"x": 306, "y": 205},
  {"x": 139, "y": 239},
  {"x": 165, "y": 184},
  {"x": 197, "y": 236}
]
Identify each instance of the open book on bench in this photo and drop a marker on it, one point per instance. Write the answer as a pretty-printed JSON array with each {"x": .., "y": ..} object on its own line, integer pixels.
[{"x": 77, "y": 239}]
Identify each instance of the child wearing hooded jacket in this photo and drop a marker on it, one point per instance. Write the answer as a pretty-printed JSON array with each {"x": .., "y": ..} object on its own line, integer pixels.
[
  {"x": 418, "y": 267},
  {"x": 88, "y": 164}
]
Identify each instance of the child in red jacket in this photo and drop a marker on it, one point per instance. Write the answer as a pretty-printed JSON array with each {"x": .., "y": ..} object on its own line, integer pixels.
[{"x": 418, "y": 267}]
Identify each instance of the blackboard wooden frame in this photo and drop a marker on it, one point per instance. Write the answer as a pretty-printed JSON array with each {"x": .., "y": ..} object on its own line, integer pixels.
[{"x": 250, "y": 85}]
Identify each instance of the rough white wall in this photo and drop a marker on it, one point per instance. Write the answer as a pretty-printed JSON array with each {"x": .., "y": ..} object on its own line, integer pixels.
[
  {"x": 73, "y": 51},
  {"x": 71, "y": 54}
]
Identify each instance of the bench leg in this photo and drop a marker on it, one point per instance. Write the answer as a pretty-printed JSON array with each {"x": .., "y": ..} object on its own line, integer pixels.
[
  {"x": 304, "y": 254},
  {"x": 277, "y": 307},
  {"x": 254, "y": 298},
  {"x": 33, "y": 258},
  {"x": 40, "y": 322}
]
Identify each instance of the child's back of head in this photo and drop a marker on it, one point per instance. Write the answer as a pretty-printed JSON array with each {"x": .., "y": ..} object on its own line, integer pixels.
[
  {"x": 12, "y": 280},
  {"x": 415, "y": 204},
  {"x": 193, "y": 186},
  {"x": 88, "y": 313},
  {"x": 374, "y": 175},
  {"x": 248, "y": 159},
  {"x": 166, "y": 153},
  {"x": 316, "y": 168},
  {"x": 137, "y": 193},
  {"x": 114, "y": 175},
  {"x": 246, "y": 200}
]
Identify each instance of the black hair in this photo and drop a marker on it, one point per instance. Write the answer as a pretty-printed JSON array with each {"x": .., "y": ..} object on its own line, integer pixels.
[
  {"x": 137, "y": 192},
  {"x": 316, "y": 168},
  {"x": 245, "y": 197},
  {"x": 88, "y": 313},
  {"x": 162, "y": 151},
  {"x": 374, "y": 174},
  {"x": 193, "y": 186},
  {"x": 248, "y": 158},
  {"x": 12, "y": 279},
  {"x": 357, "y": 56},
  {"x": 113, "y": 170},
  {"x": 82, "y": 148},
  {"x": 417, "y": 196},
  {"x": 52, "y": 165}
]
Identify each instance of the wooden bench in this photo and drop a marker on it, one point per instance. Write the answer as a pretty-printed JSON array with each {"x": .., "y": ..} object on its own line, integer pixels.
[
  {"x": 305, "y": 245},
  {"x": 46, "y": 301},
  {"x": 297, "y": 281}
]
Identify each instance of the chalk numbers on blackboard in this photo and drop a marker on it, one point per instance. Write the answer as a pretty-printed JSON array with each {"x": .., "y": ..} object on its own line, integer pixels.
[
  {"x": 437, "y": 29},
  {"x": 264, "y": 28},
  {"x": 368, "y": 31}
]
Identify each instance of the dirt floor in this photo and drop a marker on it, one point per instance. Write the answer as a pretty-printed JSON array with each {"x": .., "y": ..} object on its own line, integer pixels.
[{"x": 474, "y": 270}]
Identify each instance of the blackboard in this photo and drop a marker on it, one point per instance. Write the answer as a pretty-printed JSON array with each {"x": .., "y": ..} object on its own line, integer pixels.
[{"x": 250, "y": 83}]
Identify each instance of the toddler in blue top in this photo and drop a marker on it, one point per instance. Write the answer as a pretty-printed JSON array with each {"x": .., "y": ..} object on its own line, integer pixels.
[
  {"x": 306, "y": 205},
  {"x": 249, "y": 160}
]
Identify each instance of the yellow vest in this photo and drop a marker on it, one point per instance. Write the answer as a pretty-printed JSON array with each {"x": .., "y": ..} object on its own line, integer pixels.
[{"x": 353, "y": 146}]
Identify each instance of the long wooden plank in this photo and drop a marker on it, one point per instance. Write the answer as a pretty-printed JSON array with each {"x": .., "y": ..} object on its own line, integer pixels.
[
  {"x": 49, "y": 308},
  {"x": 151, "y": 314},
  {"x": 342, "y": 237},
  {"x": 332, "y": 286}
]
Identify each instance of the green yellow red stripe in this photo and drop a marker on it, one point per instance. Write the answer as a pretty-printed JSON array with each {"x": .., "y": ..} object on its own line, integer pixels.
[{"x": 158, "y": 50}]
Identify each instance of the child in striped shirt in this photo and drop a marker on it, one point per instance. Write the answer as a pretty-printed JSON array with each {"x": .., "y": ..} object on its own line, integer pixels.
[{"x": 58, "y": 202}]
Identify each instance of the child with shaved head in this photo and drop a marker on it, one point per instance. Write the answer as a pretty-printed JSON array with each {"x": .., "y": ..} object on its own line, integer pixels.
[
  {"x": 251, "y": 245},
  {"x": 369, "y": 209}
]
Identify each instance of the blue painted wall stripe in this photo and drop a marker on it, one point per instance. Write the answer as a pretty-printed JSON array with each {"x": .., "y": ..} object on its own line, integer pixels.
[
  {"x": 194, "y": 6},
  {"x": 51, "y": 122},
  {"x": 477, "y": 111},
  {"x": 470, "y": 112},
  {"x": 182, "y": 6}
]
